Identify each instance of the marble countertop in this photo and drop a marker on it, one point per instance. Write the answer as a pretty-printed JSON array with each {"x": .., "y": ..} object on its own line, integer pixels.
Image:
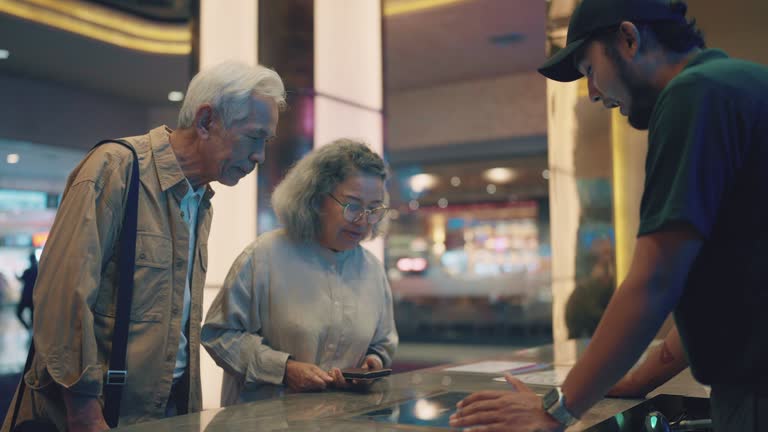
[{"x": 334, "y": 410}]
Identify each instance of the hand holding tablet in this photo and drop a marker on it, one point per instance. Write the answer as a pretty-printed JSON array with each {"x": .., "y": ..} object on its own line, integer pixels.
[{"x": 365, "y": 374}]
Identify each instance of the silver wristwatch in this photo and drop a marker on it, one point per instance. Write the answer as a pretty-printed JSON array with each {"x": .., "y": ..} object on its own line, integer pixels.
[{"x": 554, "y": 403}]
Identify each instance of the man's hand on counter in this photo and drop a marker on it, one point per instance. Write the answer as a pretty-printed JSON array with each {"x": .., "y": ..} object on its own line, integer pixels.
[{"x": 494, "y": 410}]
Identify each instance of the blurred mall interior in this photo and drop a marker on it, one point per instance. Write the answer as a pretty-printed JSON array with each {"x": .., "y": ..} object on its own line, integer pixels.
[{"x": 507, "y": 232}]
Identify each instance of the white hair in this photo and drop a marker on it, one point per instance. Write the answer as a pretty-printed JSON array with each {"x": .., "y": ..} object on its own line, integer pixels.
[
  {"x": 228, "y": 87},
  {"x": 298, "y": 198}
]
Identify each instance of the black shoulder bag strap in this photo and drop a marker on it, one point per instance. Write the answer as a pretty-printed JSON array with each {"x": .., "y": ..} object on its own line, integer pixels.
[{"x": 117, "y": 374}]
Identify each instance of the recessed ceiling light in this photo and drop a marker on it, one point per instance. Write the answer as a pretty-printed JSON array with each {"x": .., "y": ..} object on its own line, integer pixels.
[
  {"x": 176, "y": 96},
  {"x": 12, "y": 158},
  {"x": 4, "y": 54},
  {"x": 500, "y": 175},
  {"x": 421, "y": 182},
  {"x": 491, "y": 188}
]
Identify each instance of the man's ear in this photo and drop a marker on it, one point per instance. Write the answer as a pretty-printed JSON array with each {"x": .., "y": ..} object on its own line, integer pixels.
[
  {"x": 629, "y": 39},
  {"x": 204, "y": 120}
]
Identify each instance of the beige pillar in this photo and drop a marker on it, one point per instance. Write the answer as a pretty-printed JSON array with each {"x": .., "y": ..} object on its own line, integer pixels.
[
  {"x": 227, "y": 33},
  {"x": 563, "y": 197},
  {"x": 348, "y": 76}
]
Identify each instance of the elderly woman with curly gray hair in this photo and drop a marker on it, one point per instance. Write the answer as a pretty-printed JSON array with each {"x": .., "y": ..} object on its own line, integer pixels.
[{"x": 303, "y": 302}]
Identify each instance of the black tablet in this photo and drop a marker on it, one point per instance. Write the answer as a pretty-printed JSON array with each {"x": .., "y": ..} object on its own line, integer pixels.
[{"x": 360, "y": 373}]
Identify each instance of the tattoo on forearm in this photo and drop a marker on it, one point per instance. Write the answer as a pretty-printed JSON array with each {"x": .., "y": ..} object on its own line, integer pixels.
[{"x": 666, "y": 354}]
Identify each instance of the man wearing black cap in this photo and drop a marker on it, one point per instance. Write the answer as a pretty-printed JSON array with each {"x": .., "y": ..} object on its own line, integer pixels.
[{"x": 702, "y": 248}]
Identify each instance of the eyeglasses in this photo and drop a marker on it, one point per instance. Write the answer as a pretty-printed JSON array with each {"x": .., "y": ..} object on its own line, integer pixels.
[{"x": 354, "y": 212}]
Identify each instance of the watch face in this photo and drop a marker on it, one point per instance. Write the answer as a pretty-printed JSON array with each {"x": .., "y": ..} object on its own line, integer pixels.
[{"x": 550, "y": 398}]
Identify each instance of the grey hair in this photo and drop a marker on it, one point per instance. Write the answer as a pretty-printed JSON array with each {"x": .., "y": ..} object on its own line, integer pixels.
[
  {"x": 297, "y": 199},
  {"x": 228, "y": 87}
]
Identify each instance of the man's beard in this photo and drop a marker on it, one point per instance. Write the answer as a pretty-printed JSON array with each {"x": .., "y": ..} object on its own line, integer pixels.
[{"x": 643, "y": 95}]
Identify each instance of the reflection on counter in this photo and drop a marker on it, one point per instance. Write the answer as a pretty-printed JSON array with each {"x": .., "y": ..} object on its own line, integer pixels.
[
  {"x": 413, "y": 400},
  {"x": 434, "y": 411}
]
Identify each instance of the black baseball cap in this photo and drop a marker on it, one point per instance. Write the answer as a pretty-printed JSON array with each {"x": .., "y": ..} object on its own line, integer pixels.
[{"x": 593, "y": 16}]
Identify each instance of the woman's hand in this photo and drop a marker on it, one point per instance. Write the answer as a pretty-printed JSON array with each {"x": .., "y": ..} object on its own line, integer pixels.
[
  {"x": 352, "y": 384},
  {"x": 371, "y": 362},
  {"x": 338, "y": 379},
  {"x": 301, "y": 377}
]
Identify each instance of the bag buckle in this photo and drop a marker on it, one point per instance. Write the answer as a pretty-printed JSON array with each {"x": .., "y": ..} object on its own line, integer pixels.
[{"x": 117, "y": 377}]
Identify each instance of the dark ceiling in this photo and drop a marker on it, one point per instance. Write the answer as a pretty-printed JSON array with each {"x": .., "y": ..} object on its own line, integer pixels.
[{"x": 45, "y": 53}]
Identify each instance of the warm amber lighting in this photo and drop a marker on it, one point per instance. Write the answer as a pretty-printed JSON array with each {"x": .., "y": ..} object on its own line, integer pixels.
[
  {"x": 399, "y": 7},
  {"x": 620, "y": 200},
  {"x": 103, "y": 24},
  {"x": 583, "y": 88},
  {"x": 39, "y": 239}
]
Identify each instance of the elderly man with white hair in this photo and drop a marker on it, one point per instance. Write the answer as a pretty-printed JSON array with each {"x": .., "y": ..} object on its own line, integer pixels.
[{"x": 230, "y": 112}]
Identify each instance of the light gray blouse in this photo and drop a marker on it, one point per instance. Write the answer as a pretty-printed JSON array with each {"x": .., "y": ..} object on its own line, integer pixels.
[{"x": 284, "y": 299}]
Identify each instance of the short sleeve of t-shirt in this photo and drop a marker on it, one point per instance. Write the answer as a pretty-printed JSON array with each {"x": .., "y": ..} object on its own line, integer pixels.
[{"x": 692, "y": 156}]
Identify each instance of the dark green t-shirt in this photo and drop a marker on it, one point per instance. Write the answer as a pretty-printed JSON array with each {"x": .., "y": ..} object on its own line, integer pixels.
[{"x": 707, "y": 166}]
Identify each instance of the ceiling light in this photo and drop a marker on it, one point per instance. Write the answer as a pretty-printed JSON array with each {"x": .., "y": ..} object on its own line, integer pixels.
[
  {"x": 545, "y": 174},
  {"x": 442, "y": 203},
  {"x": 421, "y": 182},
  {"x": 500, "y": 175},
  {"x": 12, "y": 158},
  {"x": 176, "y": 96},
  {"x": 455, "y": 181},
  {"x": 413, "y": 205},
  {"x": 4, "y": 54},
  {"x": 491, "y": 189}
]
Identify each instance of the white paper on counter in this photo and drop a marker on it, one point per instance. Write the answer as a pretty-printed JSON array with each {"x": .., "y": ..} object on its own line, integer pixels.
[
  {"x": 552, "y": 378},
  {"x": 491, "y": 367}
]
